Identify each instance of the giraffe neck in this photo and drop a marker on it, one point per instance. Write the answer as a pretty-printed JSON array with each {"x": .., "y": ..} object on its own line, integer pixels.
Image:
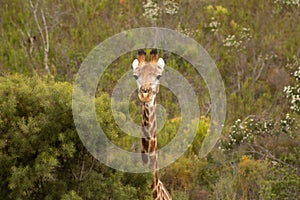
[
  {"x": 149, "y": 141},
  {"x": 149, "y": 149}
]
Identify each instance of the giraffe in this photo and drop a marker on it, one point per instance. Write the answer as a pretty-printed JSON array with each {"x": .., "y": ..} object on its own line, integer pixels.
[{"x": 147, "y": 75}]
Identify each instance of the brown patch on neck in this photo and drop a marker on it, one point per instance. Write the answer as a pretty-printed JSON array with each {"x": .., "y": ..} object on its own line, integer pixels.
[{"x": 145, "y": 120}]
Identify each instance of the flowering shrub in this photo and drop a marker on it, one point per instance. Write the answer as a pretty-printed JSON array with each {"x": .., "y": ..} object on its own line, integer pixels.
[
  {"x": 217, "y": 13},
  {"x": 152, "y": 9},
  {"x": 288, "y": 3},
  {"x": 186, "y": 30},
  {"x": 214, "y": 25},
  {"x": 247, "y": 130},
  {"x": 239, "y": 40},
  {"x": 293, "y": 92},
  {"x": 171, "y": 7}
]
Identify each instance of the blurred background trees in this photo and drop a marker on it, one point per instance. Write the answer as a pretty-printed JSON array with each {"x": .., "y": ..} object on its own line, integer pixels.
[{"x": 255, "y": 45}]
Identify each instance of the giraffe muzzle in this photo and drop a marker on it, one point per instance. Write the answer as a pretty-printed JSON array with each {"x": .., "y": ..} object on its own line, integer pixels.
[{"x": 145, "y": 94}]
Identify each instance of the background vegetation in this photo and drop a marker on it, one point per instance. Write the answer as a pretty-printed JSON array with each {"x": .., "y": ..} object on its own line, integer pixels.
[{"x": 255, "y": 45}]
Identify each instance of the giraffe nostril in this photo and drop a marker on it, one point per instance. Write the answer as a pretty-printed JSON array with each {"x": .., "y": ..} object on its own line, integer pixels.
[{"x": 145, "y": 90}]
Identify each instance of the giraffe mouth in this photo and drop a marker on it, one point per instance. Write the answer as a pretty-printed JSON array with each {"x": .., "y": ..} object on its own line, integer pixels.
[{"x": 145, "y": 97}]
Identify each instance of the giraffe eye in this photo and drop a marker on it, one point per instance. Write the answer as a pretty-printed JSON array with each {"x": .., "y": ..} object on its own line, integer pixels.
[
  {"x": 135, "y": 77},
  {"x": 158, "y": 77}
]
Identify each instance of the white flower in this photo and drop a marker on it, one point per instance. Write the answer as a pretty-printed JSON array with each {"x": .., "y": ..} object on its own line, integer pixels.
[
  {"x": 214, "y": 25},
  {"x": 288, "y": 3},
  {"x": 152, "y": 10},
  {"x": 171, "y": 7},
  {"x": 274, "y": 163}
]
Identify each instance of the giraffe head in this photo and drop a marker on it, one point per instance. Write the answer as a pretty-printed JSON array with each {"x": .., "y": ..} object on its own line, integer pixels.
[{"x": 147, "y": 74}]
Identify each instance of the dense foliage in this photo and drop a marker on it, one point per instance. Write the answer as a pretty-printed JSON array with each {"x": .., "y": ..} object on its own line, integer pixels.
[{"x": 255, "y": 45}]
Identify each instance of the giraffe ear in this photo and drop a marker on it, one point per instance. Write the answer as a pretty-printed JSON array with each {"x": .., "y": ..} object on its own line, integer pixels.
[
  {"x": 161, "y": 63},
  {"x": 135, "y": 64}
]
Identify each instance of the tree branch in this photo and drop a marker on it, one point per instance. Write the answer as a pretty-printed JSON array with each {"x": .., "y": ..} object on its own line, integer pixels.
[
  {"x": 47, "y": 46},
  {"x": 82, "y": 168},
  {"x": 44, "y": 34},
  {"x": 74, "y": 174},
  {"x": 267, "y": 154},
  {"x": 91, "y": 167}
]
